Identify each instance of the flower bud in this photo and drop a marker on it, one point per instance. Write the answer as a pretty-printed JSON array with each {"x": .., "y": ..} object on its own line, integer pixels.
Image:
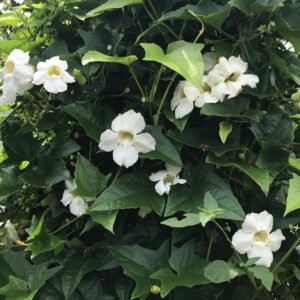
[{"x": 155, "y": 289}]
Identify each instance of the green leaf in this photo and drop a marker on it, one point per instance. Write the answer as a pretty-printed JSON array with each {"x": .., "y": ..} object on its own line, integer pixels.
[
  {"x": 224, "y": 131},
  {"x": 164, "y": 149},
  {"x": 232, "y": 108},
  {"x": 112, "y": 4},
  {"x": 182, "y": 57},
  {"x": 139, "y": 263},
  {"x": 220, "y": 271},
  {"x": 106, "y": 218},
  {"x": 6, "y": 46},
  {"x": 74, "y": 269},
  {"x": 264, "y": 274},
  {"x": 207, "y": 11},
  {"x": 9, "y": 183},
  {"x": 129, "y": 191},
  {"x": 256, "y": 6},
  {"x": 293, "y": 200},
  {"x": 188, "y": 219},
  {"x": 46, "y": 173},
  {"x": 90, "y": 182},
  {"x": 260, "y": 176},
  {"x": 87, "y": 118},
  {"x": 203, "y": 180},
  {"x": 95, "y": 56},
  {"x": 185, "y": 269},
  {"x": 10, "y": 19},
  {"x": 16, "y": 289}
]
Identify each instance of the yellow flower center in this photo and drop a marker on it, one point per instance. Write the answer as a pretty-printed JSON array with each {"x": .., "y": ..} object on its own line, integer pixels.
[
  {"x": 260, "y": 236},
  {"x": 206, "y": 88},
  {"x": 169, "y": 179},
  {"x": 125, "y": 136},
  {"x": 233, "y": 76},
  {"x": 54, "y": 70},
  {"x": 9, "y": 67}
]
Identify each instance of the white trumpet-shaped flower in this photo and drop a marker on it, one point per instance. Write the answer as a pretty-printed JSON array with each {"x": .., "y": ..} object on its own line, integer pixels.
[
  {"x": 11, "y": 233},
  {"x": 256, "y": 239},
  {"x": 16, "y": 76},
  {"x": 77, "y": 204},
  {"x": 126, "y": 140},
  {"x": 166, "y": 178},
  {"x": 228, "y": 77},
  {"x": 53, "y": 75}
]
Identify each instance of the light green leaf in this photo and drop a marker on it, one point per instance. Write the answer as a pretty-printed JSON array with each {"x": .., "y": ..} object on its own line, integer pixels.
[
  {"x": 182, "y": 57},
  {"x": 256, "y": 6},
  {"x": 95, "y": 56},
  {"x": 112, "y": 4},
  {"x": 293, "y": 199},
  {"x": 10, "y": 19},
  {"x": 129, "y": 191},
  {"x": 188, "y": 219},
  {"x": 207, "y": 11},
  {"x": 264, "y": 274},
  {"x": 260, "y": 176},
  {"x": 164, "y": 149},
  {"x": 224, "y": 131},
  {"x": 105, "y": 218},
  {"x": 220, "y": 271},
  {"x": 90, "y": 182}
]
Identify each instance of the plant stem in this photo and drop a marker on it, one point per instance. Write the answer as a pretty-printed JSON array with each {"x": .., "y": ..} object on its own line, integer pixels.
[
  {"x": 211, "y": 241},
  {"x": 137, "y": 82},
  {"x": 66, "y": 225}
]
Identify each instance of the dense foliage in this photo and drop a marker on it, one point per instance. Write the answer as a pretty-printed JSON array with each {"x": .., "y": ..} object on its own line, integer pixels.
[{"x": 150, "y": 149}]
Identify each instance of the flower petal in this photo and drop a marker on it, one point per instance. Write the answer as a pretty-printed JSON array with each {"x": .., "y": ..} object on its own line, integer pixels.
[
  {"x": 183, "y": 108},
  {"x": 275, "y": 239},
  {"x": 125, "y": 155},
  {"x": 55, "y": 85},
  {"x": 158, "y": 175},
  {"x": 129, "y": 121},
  {"x": 161, "y": 188},
  {"x": 173, "y": 170},
  {"x": 78, "y": 206},
  {"x": 39, "y": 77},
  {"x": 242, "y": 241},
  {"x": 67, "y": 198},
  {"x": 144, "y": 142},
  {"x": 191, "y": 93},
  {"x": 249, "y": 80},
  {"x": 19, "y": 57},
  {"x": 108, "y": 140},
  {"x": 67, "y": 77},
  {"x": 265, "y": 221},
  {"x": 264, "y": 253}
]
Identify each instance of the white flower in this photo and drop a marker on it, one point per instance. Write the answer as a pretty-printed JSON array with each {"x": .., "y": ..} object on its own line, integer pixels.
[
  {"x": 16, "y": 75},
  {"x": 205, "y": 96},
  {"x": 144, "y": 211},
  {"x": 227, "y": 77},
  {"x": 255, "y": 238},
  {"x": 77, "y": 205},
  {"x": 166, "y": 178},
  {"x": 12, "y": 235},
  {"x": 183, "y": 99},
  {"x": 53, "y": 75},
  {"x": 126, "y": 140}
]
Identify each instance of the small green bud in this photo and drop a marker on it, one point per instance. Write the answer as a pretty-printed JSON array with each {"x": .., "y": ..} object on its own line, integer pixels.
[
  {"x": 155, "y": 290},
  {"x": 296, "y": 96}
]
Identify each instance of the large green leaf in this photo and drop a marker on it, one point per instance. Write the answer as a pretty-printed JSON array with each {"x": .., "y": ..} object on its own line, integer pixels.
[
  {"x": 293, "y": 200},
  {"x": 112, "y": 4},
  {"x": 105, "y": 218},
  {"x": 207, "y": 11},
  {"x": 264, "y": 274},
  {"x": 203, "y": 180},
  {"x": 182, "y": 57},
  {"x": 95, "y": 56},
  {"x": 46, "y": 173},
  {"x": 256, "y": 6},
  {"x": 260, "y": 176},
  {"x": 139, "y": 263},
  {"x": 185, "y": 269},
  {"x": 220, "y": 271},
  {"x": 129, "y": 191},
  {"x": 90, "y": 182},
  {"x": 9, "y": 183},
  {"x": 164, "y": 149},
  {"x": 10, "y": 19}
]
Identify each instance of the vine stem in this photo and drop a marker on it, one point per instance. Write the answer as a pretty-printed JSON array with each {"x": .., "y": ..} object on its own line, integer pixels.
[
  {"x": 65, "y": 225},
  {"x": 137, "y": 81}
]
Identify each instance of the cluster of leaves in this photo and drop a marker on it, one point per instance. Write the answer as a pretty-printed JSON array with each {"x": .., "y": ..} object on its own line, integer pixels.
[{"x": 238, "y": 156}]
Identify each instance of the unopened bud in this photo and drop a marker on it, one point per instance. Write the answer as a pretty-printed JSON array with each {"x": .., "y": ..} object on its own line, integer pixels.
[
  {"x": 155, "y": 289},
  {"x": 127, "y": 90},
  {"x": 143, "y": 99},
  {"x": 109, "y": 47}
]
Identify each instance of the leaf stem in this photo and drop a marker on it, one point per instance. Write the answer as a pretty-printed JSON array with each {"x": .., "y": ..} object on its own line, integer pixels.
[
  {"x": 65, "y": 225},
  {"x": 137, "y": 82}
]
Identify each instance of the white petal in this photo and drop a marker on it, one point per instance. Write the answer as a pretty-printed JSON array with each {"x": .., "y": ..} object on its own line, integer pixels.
[
  {"x": 108, "y": 140},
  {"x": 174, "y": 102},
  {"x": 24, "y": 74},
  {"x": 11, "y": 231},
  {"x": 265, "y": 221},
  {"x": 200, "y": 101},
  {"x": 19, "y": 57},
  {"x": 250, "y": 80},
  {"x": 39, "y": 77},
  {"x": 24, "y": 87},
  {"x": 125, "y": 155},
  {"x": 257, "y": 222},
  {"x": 264, "y": 253},
  {"x": 161, "y": 188},
  {"x": 42, "y": 66},
  {"x": 275, "y": 239},
  {"x": 129, "y": 121},
  {"x": 237, "y": 64},
  {"x": 67, "y": 198},
  {"x": 183, "y": 108},
  {"x": 173, "y": 170},
  {"x": 214, "y": 77},
  {"x": 70, "y": 185},
  {"x": 144, "y": 142},
  {"x": 78, "y": 206},
  {"x": 242, "y": 241},
  {"x": 55, "y": 85},
  {"x": 178, "y": 180},
  {"x": 233, "y": 88},
  {"x": 67, "y": 77},
  {"x": 219, "y": 90},
  {"x": 191, "y": 93},
  {"x": 158, "y": 175}
]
